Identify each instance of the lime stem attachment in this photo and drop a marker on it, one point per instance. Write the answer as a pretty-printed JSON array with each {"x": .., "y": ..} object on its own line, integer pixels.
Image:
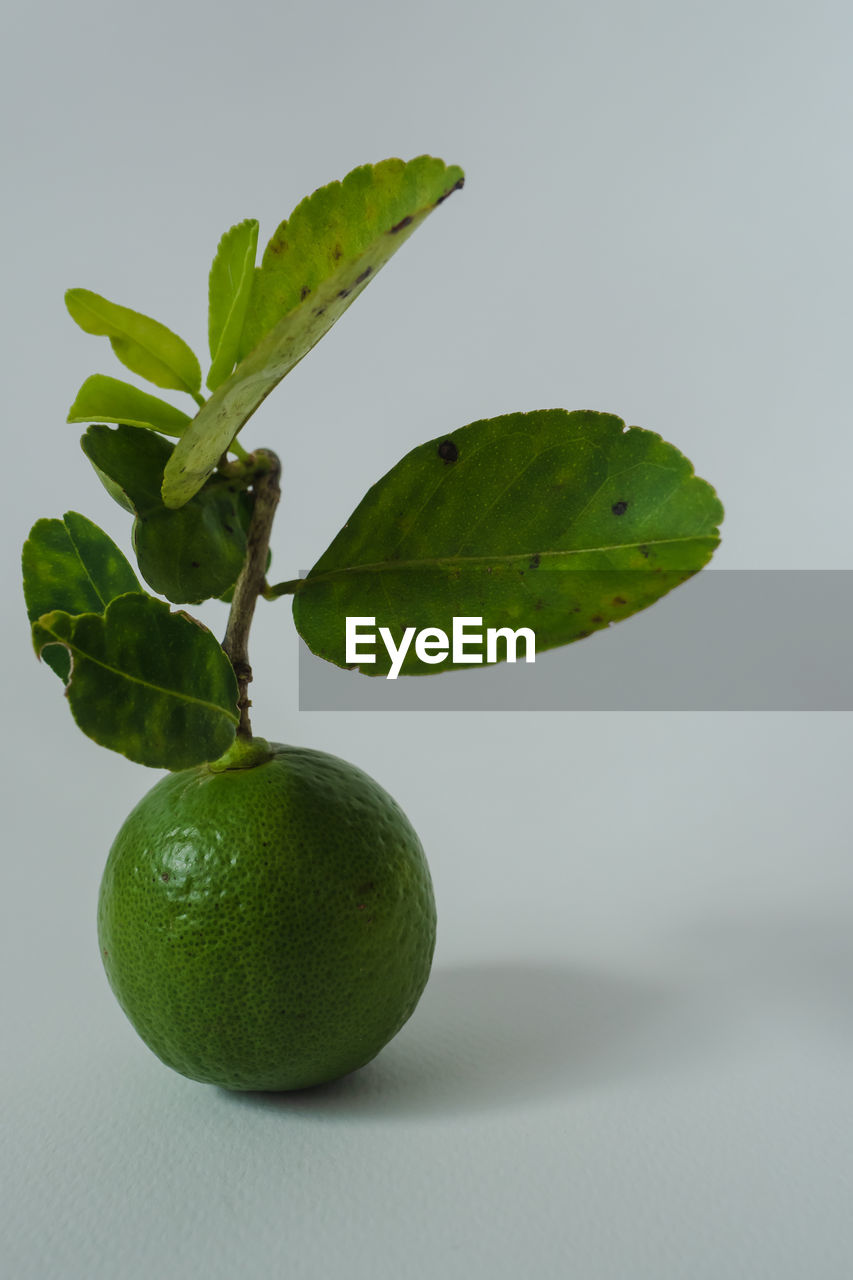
[{"x": 243, "y": 754}]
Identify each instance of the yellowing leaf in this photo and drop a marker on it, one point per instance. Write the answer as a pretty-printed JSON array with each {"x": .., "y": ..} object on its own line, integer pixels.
[
  {"x": 102, "y": 399},
  {"x": 144, "y": 345},
  {"x": 314, "y": 267},
  {"x": 148, "y": 683}
]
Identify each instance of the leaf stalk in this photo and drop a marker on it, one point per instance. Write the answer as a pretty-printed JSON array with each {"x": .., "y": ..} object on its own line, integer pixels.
[{"x": 289, "y": 588}]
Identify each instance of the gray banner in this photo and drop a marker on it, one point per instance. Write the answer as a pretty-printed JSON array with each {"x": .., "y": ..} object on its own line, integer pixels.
[{"x": 726, "y": 640}]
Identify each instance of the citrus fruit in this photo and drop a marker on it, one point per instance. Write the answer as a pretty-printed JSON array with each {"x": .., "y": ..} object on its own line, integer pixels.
[{"x": 267, "y": 921}]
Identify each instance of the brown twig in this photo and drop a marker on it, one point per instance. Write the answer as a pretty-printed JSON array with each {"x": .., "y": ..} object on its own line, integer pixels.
[{"x": 251, "y": 581}]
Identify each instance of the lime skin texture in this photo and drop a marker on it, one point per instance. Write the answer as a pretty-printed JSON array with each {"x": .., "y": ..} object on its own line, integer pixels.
[{"x": 268, "y": 927}]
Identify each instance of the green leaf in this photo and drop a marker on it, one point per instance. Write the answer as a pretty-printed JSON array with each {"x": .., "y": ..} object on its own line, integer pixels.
[
  {"x": 189, "y": 555},
  {"x": 148, "y": 683},
  {"x": 144, "y": 345},
  {"x": 560, "y": 522},
  {"x": 102, "y": 399},
  {"x": 71, "y": 564},
  {"x": 132, "y": 458},
  {"x": 229, "y": 289},
  {"x": 314, "y": 267}
]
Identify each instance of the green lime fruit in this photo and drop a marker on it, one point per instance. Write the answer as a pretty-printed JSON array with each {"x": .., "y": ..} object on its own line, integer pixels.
[{"x": 267, "y": 921}]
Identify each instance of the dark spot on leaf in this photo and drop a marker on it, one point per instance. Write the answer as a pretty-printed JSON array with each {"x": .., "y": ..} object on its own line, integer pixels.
[
  {"x": 106, "y": 953},
  {"x": 596, "y": 618},
  {"x": 457, "y": 186},
  {"x": 582, "y": 635},
  {"x": 404, "y": 222},
  {"x": 619, "y": 600},
  {"x": 344, "y": 293},
  {"x": 319, "y": 311},
  {"x": 576, "y": 608},
  {"x": 306, "y": 289},
  {"x": 362, "y": 906},
  {"x": 644, "y": 551},
  {"x": 165, "y": 877},
  {"x": 228, "y": 528},
  {"x": 195, "y": 564},
  {"x": 447, "y": 451},
  {"x": 534, "y": 563},
  {"x": 619, "y": 508},
  {"x": 540, "y": 604},
  {"x": 337, "y": 253},
  {"x": 365, "y": 273}
]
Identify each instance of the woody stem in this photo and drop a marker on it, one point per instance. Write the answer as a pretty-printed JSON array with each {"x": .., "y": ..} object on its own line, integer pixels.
[{"x": 251, "y": 581}]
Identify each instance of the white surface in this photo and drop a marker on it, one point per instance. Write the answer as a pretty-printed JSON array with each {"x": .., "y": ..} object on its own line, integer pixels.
[{"x": 633, "y": 1058}]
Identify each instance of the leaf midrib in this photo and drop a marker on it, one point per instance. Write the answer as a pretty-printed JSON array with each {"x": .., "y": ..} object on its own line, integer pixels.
[
  {"x": 248, "y": 256},
  {"x": 145, "y": 684},
  {"x": 380, "y": 566},
  {"x": 84, "y": 566}
]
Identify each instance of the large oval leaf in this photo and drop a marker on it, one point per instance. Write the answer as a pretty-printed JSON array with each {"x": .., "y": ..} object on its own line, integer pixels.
[
  {"x": 313, "y": 268},
  {"x": 189, "y": 555},
  {"x": 151, "y": 684},
  {"x": 560, "y": 522},
  {"x": 144, "y": 345},
  {"x": 71, "y": 564}
]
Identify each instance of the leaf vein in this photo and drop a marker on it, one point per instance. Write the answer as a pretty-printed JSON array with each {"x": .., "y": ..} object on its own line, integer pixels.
[
  {"x": 84, "y": 566},
  {"x": 75, "y": 649},
  {"x": 381, "y": 566}
]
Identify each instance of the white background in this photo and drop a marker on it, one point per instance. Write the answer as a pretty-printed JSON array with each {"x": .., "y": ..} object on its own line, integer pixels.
[{"x": 633, "y": 1058}]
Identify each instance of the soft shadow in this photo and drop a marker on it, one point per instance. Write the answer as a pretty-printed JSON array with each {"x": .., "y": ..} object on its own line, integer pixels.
[
  {"x": 486, "y": 1036},
  {"x": 790, "y": 971}
]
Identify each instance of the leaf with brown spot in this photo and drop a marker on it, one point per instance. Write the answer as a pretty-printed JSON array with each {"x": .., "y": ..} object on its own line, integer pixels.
[
  {"x": 520, "y": 531},
  {"x": 333, "y": 245}
]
